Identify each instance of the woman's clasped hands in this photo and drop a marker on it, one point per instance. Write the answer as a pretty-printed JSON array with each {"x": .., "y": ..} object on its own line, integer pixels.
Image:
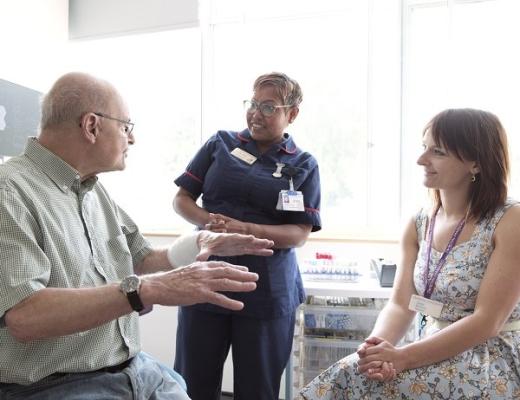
[
  {"x": 223, "y": 224},
  {"x": 379, "y": 360}
]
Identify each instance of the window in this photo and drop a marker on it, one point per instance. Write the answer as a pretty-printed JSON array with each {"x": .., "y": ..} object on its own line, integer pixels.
[
  {"x": 459, "y": 54},
  {"x": 345, "y": 54},
  {"x": 372, "y": 72},
  {"x": 159, "y": 77},
  {"x": 350, "y": 77}
]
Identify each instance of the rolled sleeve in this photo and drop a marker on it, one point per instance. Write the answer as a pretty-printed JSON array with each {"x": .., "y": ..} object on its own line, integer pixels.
[{"x": 139, "y": 247}]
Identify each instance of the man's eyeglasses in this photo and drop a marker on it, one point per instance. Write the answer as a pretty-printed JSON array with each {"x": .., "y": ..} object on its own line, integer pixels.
[
  {"x": 266, "y": 109},
  {"x": 127, "y": 125}
]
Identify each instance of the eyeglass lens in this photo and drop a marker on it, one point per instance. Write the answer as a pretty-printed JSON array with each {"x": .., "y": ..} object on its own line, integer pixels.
[{"x": 266, "y": 109}]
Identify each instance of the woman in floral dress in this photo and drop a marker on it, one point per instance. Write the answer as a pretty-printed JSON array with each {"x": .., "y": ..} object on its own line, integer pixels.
[{"x": 460, "y": 268}]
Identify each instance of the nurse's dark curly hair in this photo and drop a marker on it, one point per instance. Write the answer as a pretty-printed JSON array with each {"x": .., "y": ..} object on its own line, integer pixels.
[{"x": 287, "y": 88}]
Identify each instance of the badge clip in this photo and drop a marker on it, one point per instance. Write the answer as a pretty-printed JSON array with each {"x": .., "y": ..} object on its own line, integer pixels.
[{"x": 278, "y": 172}]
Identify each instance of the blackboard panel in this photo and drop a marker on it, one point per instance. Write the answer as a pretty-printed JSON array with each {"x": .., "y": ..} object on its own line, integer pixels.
[{"x": 19, "y": 117}]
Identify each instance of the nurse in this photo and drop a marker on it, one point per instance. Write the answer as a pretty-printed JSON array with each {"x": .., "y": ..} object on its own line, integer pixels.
[{"x": 257, "y": 182}]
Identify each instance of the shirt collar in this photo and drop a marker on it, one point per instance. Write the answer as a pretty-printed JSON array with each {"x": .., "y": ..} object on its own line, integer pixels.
[
  {"x": 244, "y": 136},
  {"x": 287, "y": 145},
  {"x": 61, "y": 173}
]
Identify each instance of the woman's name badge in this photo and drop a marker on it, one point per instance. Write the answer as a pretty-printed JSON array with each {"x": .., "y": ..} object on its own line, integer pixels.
[
  {"x": 290, "y": 200},
  {"x": 244, "y": 155},
  {"x": 425, "y": 306}
]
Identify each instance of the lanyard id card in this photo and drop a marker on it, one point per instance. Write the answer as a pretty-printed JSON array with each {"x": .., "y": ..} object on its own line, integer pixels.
[
  {"x": 425, "y": 306},
  {"x": 290, "y": 200}
]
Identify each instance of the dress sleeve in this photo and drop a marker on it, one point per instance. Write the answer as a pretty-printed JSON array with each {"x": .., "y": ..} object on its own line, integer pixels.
[
  {"x": 192, "y": 179},
  {"x": 421, "y": 223}
]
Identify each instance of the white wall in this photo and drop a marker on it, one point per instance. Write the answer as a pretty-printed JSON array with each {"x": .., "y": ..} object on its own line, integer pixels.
[
  {"x": 95, "y": 18},
  {"x": 33, "y": 37}
]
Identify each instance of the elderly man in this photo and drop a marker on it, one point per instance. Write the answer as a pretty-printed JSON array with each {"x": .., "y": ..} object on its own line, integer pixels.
[{"x": 74, "y": 269}]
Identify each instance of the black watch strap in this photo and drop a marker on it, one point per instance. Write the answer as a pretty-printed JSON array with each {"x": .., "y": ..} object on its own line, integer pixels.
[{"x": 135, "y": 301}]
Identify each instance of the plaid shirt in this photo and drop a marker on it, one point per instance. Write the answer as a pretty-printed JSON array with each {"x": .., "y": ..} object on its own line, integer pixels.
[{"x": 56, "y": 231}]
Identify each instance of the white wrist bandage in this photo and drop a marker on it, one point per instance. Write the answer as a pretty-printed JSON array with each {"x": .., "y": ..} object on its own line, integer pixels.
[{"x": 184, "y": 250}]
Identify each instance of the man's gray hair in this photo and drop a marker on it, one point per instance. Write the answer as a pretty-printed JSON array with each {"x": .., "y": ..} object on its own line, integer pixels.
[{"x": 73, "y": 95}]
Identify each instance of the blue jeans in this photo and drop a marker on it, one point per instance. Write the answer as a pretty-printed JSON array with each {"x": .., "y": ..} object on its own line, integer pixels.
[{"x": 144, "y": 378}]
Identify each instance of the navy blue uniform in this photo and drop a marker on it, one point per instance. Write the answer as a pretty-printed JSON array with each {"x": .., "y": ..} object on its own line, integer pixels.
[{"x": 261, "y": 333}]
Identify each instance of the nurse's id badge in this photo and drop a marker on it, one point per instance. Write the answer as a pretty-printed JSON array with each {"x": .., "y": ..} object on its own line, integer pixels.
[
  {"x": 243, "y": 155},
  {"x": 425, "y": 306},
  {"x": 290, "y": 200}
]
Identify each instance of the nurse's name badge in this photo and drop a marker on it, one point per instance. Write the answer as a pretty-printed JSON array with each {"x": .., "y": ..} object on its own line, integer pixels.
[{"x": 243, "y": 155}]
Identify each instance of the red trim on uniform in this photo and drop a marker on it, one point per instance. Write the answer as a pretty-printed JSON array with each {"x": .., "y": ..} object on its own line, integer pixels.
[
  {"x": 293, "y": 151},
  {"x": 312, "y": 210},
  {"x": 193, "y": 176},
  {"x": 242, "y": 139}
]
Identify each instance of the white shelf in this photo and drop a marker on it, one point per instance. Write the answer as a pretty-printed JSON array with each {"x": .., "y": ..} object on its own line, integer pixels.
[
  {"x": 354, "y": 310},
  {"x": 367, "y": 287},
  {"x": 318, "y": 341}
]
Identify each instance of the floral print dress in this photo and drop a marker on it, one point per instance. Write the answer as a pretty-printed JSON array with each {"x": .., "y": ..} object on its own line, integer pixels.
[{"x": 488, "y": 371}]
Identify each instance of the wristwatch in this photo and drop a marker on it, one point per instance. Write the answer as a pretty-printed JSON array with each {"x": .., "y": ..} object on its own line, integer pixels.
[{"x": 130, "y": 286}]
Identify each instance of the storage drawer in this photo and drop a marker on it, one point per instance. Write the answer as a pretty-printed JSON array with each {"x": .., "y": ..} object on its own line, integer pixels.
[
  {"x": 338, "y": 322},
  {"x": 319, "y": 354}
]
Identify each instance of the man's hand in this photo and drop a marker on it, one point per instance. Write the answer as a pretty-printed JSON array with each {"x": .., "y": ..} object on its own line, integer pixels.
[
  {"x": 231, "y": 244},
  {"x": 199, "y": 282}
]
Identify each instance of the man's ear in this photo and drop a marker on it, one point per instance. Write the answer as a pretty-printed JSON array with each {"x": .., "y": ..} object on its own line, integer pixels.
[
  {"x": 293, "y": 113},
  {"x": 89, "y": 127}
]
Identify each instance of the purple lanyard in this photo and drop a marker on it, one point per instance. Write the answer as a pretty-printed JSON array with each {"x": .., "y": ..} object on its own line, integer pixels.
[{"x": 429, "y": 284}]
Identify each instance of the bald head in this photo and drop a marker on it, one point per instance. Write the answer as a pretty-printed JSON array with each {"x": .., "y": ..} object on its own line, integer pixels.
[
  {"x": 83, "y": 124},
  {"x": 73, "y": 95}
]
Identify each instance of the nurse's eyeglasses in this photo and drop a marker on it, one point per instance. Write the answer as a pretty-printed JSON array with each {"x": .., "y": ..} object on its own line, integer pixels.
[
  {"x": 266, "y": 109},
  {"x": 128, "y": 126}
]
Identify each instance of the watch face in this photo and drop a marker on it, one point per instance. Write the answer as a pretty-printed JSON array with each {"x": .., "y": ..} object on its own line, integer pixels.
[{"x": 130, "y": 283}]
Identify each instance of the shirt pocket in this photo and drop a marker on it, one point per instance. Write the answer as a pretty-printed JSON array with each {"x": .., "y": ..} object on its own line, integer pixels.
[{"x": 117, "y": 259}]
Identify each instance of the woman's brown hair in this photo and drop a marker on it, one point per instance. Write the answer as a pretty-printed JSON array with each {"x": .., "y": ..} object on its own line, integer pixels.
[{"x": 475, "y": 135}]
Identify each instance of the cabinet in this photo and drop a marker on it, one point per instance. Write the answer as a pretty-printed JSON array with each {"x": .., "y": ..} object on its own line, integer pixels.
[{"x": 334, "y": 320}]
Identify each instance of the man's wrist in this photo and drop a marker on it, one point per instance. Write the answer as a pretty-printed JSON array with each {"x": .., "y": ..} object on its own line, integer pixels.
[
  {"x": 184, "y": 250},
  {"x": 130, "y": 286},
  {"x": 150, "y": 289}
]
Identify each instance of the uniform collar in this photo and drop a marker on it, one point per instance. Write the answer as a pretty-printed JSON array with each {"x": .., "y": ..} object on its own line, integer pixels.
[
  {"x": 286, "y": 146},
  {"x": 61, "y": 173}
]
